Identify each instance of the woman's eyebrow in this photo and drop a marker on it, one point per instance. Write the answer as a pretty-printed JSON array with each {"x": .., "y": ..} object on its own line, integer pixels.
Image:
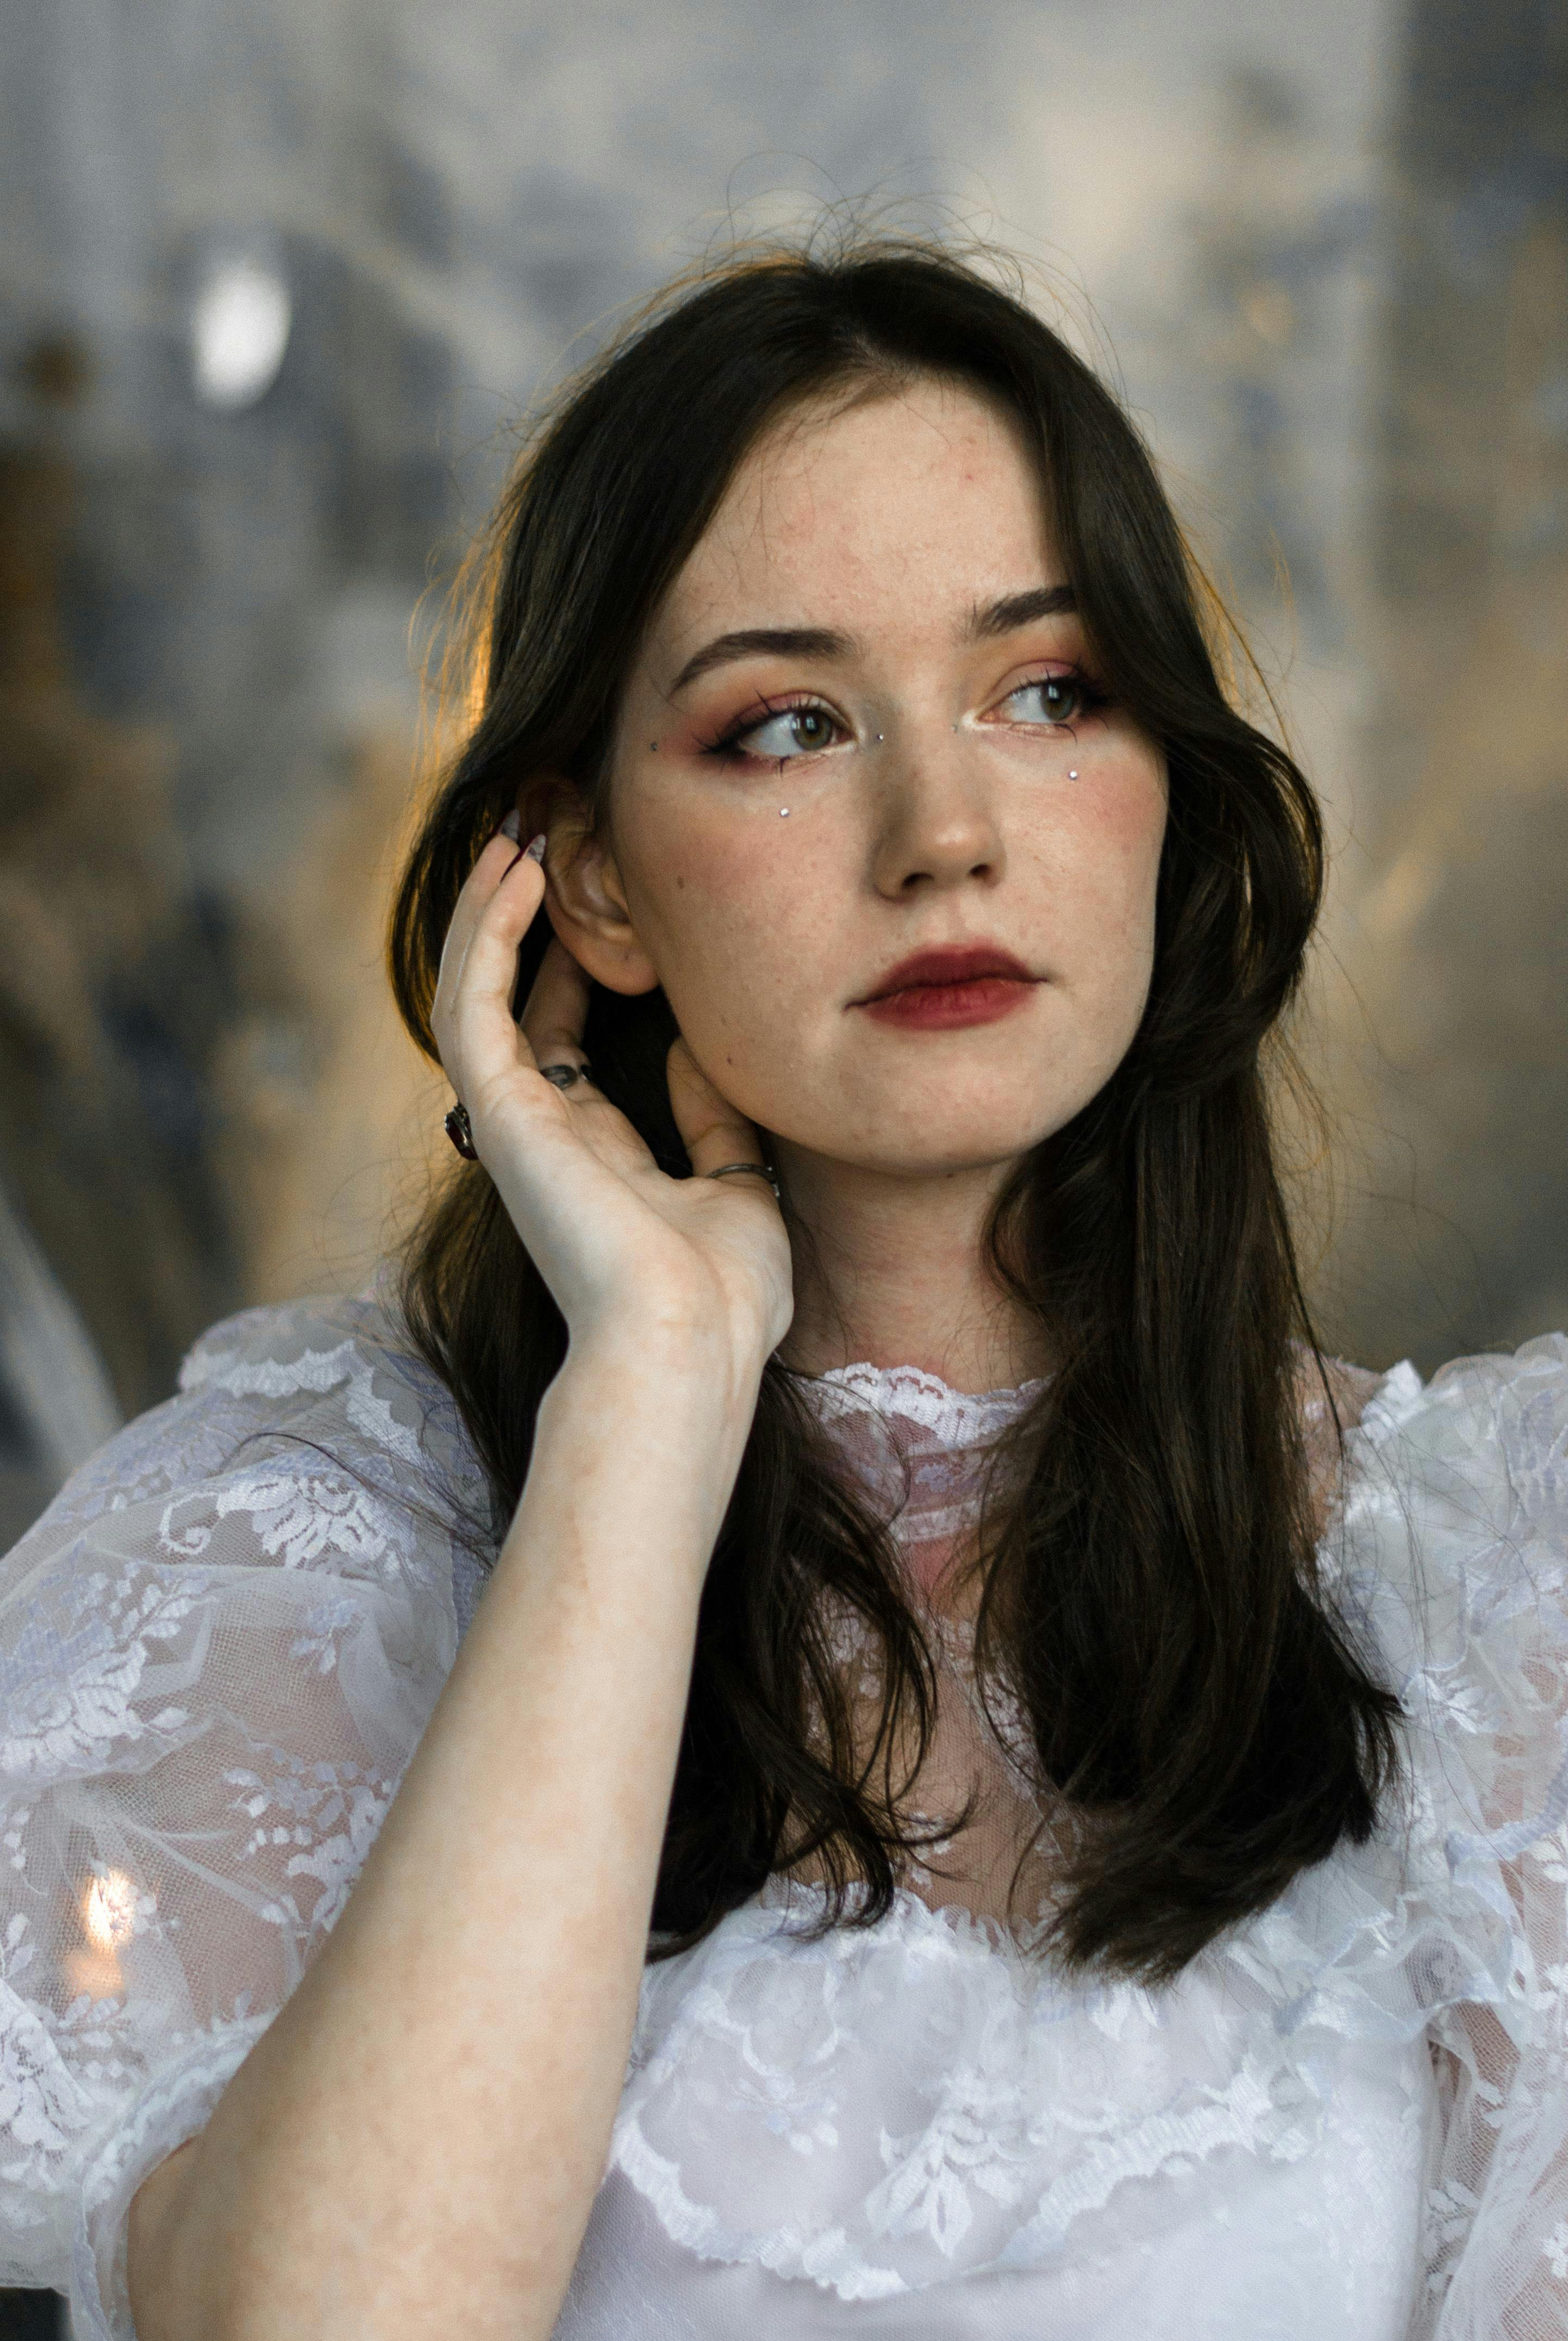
[
  {"x": 754, "y": 641},
  {"x": 1020, "y": 610},
  {"x": 821, "y": 642}
]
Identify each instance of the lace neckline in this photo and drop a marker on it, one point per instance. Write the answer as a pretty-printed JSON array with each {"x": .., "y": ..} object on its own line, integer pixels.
[
  {"x": 953, "y": 1418},
  {"x": 920, "y": 1449}
]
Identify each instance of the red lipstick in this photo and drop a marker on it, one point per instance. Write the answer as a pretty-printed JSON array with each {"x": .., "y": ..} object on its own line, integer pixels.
[{"x": 939, "y": 989}]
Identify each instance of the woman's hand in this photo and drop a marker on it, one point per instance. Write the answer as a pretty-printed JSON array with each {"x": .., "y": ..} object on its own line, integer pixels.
[{"x": 621, "y": 1246}]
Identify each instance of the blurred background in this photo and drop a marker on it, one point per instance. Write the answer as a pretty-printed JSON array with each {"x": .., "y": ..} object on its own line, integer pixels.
[{"x": 280, "y": 280}]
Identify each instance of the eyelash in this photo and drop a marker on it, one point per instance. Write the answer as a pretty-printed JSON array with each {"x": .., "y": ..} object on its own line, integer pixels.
[
  {"x": 761, "y": 711},
  {"x": 727, "y": 745}
]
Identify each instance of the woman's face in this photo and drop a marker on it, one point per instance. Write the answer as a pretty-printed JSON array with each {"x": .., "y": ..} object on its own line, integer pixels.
[{"x": 865, "y": 724}]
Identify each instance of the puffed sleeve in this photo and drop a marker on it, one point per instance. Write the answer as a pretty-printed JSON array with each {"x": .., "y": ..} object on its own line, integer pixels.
[
  {"x": 1458, "y": 1536},
  {"x": 218, "y": 1649}
]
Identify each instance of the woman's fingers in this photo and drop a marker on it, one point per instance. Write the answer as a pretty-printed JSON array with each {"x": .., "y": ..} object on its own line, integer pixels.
[
  {"x": 479, "y": 1039},
  {"x": 496, "y": 862},
  {"x": 557, "y": 1008},
  {"x": 714, "y": 1131},
  {"x": 607, "y": 1231}
]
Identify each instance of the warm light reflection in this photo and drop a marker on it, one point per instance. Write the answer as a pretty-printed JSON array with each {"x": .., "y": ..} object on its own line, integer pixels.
[
  {"x": 108, "y": 1919},
  {"x": 109, "y": 1910}
]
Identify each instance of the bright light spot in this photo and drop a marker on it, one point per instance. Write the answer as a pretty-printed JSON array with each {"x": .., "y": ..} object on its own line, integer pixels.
[
  {"x": 240, "y": 322},
  {"x": 109, "y": 1910}
]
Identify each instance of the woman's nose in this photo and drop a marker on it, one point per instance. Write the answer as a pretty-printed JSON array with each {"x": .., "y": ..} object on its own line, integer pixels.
[{"x": 936, "y": 822}]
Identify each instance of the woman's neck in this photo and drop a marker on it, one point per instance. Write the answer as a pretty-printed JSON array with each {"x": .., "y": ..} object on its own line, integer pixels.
[{"x": 889, "y": 1272}]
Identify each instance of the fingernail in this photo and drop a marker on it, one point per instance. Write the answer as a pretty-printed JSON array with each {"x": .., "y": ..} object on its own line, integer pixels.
[
  {"x": 511, "y": 826},
  {"x": 535, "y": 848}
]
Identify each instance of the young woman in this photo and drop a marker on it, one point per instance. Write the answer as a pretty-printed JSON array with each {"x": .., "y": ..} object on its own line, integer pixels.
[{"x": 821, "y": 1719}]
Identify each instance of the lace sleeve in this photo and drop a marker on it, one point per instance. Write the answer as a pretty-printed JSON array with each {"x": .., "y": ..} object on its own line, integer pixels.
[
  {"x": 218, "y": 1649},
  {"x": 1464, "y": 1496}
]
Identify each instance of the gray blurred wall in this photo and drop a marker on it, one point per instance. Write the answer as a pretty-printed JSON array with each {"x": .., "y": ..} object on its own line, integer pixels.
[
  {"x": 1451, "y": 1066},
  {"x": 1321, "y": 245}
]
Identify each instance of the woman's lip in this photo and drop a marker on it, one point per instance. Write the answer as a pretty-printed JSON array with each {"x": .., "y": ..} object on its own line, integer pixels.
[
  {"x": 956, "y": 963},
  {"x": 946, "y": 1007}
]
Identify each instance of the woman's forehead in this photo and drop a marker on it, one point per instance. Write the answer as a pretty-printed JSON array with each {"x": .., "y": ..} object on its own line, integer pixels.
[{"x": 925, "y": 486}]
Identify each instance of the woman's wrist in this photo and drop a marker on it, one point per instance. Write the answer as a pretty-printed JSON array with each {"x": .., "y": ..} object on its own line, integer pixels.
[
  {"x": 672, "y": 1365},
  {"x": 645, "y": 1429}
]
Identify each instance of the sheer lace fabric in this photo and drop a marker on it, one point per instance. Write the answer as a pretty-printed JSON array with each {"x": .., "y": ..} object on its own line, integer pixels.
[
  {"x": 919, "y": 1451},
  {"x": 218, "y": 1648}
]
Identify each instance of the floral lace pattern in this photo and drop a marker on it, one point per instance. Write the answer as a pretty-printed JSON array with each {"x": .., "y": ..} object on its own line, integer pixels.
[
  {"x": 220, "y": 1646},
  {"x": 218, "y": 1649},
  {"x": 919, "y": 2108}
]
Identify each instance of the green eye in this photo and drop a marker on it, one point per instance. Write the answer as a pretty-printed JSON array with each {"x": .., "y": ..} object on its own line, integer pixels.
[
  {"x": 794, "y": 731},
  {"x": 1054, "y": 699}
]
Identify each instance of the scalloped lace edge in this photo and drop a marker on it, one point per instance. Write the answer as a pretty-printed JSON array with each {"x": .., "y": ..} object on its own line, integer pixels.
[{"x": 959, "y": 1417}]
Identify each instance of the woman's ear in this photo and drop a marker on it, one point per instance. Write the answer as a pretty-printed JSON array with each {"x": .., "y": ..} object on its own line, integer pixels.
[{"x": 587, "y": 902}]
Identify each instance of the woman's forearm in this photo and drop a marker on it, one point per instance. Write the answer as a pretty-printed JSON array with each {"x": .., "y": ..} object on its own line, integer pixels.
[{"x": 413, "y": 2145}]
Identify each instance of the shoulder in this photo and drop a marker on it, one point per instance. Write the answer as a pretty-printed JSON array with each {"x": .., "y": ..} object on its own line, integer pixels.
[
  {"x": 1482, "y": 1443},
  {"x": 1331, "y": 1398},
  {"x": 1486, "y": 1428},
  {"x": 310, "y": 1434},
  {"x": 348, "y": 1363},
  {"x": 1452, "y": 1552},
  {"x": 1331, "y": 1389}
]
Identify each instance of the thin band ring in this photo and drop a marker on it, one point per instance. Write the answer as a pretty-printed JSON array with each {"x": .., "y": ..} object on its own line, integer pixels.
[
  {"x": 561, "y": 1076},
  {"x": 728, "y": 1170}
]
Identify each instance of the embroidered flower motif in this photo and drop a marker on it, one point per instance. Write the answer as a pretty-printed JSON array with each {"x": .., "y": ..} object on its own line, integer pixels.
[
  {"x": 974, "y": 2139},
  {"x": 311, "y": 1801},
  {"x": 301, "y": 1519},
  {"x": 1445, "y": 1693},
  {"x": 77, "y": 1653},
  {"x": 323, "y": 1628}
]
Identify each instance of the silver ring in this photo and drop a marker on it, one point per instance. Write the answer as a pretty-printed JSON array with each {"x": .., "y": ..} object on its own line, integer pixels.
[
  {"x": 727, "y": 1170},
  {"x": 563, "y": 1075}
]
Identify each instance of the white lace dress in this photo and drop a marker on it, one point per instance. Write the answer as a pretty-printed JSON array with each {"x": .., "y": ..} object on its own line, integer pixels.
[{"x": 218, "y": 1650}]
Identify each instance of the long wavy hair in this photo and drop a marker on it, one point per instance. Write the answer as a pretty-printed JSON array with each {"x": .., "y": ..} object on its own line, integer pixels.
[{"x": 1150, "y": 1594}]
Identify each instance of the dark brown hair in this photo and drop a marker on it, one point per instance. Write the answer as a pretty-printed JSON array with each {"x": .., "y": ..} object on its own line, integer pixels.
[{"x": 1151, "y": 1596}]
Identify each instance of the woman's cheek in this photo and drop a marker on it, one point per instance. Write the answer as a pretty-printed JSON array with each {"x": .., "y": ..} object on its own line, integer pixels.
[
  {"x": 1118, "y": 843},
  {"x": 743, "y": 899},
  {"x": 725, "y": 955},
  {"x": 1126, "y": 797},
  {"x": 1101, "y": 887}
]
